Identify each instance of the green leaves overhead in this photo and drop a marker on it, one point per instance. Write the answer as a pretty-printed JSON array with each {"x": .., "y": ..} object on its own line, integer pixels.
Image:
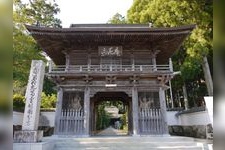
[
  {"x": 117, "y": 19},
  {"x": 43, "y": 13},
  {"x": 191, "y": 69},
  {"x": 198, "y": 46},
  {"x": 25, "y": 49},
  {"x": 169, "y": 13}
]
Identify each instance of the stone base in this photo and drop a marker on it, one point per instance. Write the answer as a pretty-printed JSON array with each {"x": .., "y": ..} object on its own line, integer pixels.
[
  {"x": 34, "y": 146},
  {"x": 28, "y": 136},
  {"x": 196, "y": 131}
]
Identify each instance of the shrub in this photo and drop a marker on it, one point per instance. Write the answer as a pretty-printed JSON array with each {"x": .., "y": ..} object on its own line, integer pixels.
[
  {"x": 48, "y": 101},
  {"x": 18, "y": 102}
]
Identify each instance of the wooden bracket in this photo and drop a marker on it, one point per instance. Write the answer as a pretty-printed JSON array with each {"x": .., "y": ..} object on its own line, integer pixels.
[
  {"x": 110, "y": 79},
  {"x": 134, "y": 79}
]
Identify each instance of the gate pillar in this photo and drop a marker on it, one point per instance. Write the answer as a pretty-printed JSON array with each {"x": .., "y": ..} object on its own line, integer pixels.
[
  {"x": 58, "y": 109},
  {"x": 87, "y": 111},
  {"x": 163, "y": 110},
  {"x": 135, "y": 111}
]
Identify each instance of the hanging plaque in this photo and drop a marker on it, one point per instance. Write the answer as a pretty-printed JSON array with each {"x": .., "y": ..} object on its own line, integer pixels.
[{"x": 110, "y": 50}]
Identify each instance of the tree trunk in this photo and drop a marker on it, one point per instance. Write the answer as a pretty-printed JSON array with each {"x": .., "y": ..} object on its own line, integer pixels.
[
  {"x": 185, "y": 97},
  {"x": 207, "y": 74}
]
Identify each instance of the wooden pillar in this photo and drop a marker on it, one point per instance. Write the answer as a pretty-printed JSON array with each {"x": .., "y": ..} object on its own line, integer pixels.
[
  {"x": 170, "y": 64},
  {"x": 87, "y": 111},
  {"x": 132, "y": 62},
  {"x": 154, "y": 63},
  {"x": 58, "y": 110},
  {"x": 50, "y": 66},
  {"x": 130, "y": 123},
  {"x": 67, "y": 61},
  {"x": 89, "y": 61},
  {"x": 163, "y": 109},
  {"x": 91, "y": 116},
  {"x": 135, "y": 111}
]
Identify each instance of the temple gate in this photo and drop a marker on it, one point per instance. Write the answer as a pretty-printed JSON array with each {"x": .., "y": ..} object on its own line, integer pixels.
[{"x": 130, "y": 63}]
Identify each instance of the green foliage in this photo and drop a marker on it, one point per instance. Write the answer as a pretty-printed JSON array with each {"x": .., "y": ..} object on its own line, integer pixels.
[
  {"x": 124, "y": 119},
  {"x": 191, "y": 69},
  {"x": 18, "y": 102},
  {"x": 25, "y": 49},
  {"x": 48, "y": 101},
  {"x": 117, "y": 19},
  {"x": 103, "y": 118},
  {"x": 48, "y": 86},
  {"x": 43, "y": 13},
  {"x": 169, "y": 13}
]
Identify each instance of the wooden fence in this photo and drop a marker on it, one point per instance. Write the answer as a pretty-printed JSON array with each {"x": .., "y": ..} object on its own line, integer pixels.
[
  {"x": 151, "y": 121},
  {"x": 71, "y": 122}
]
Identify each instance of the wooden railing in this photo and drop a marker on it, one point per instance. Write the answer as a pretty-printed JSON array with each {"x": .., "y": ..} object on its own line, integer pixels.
[{"x": 108, "y": 68}]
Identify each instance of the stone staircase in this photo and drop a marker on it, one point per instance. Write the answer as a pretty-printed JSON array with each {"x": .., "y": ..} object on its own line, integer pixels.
[{"x": 132, "y": 143}]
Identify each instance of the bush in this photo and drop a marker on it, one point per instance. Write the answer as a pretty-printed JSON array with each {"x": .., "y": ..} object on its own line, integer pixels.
[
  {"x": 18, "y": 102},
  {"x": 48, "y": 101}
]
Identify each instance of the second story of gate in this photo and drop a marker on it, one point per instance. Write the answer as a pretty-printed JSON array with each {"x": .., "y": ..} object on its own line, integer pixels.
[{"x": 108, "y": 48}]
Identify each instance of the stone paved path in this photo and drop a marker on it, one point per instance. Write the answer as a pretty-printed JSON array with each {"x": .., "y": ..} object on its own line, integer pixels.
[{"x": 110, "y": 131}]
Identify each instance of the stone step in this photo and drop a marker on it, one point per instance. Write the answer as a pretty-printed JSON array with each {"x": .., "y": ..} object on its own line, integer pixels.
[
  {"x": 130, "y": 147},
  {"x": 129, "y": 143},
  {"x": 134, "y": 148},
  {"x": 126, "y": 139}
]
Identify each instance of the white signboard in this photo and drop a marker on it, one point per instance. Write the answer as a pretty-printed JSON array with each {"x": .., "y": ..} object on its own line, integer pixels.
[{"x": 110, "y": 50}]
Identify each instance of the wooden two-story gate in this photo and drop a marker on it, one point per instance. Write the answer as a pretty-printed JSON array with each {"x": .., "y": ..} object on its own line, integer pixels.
[{"x": 127, "y": 62}]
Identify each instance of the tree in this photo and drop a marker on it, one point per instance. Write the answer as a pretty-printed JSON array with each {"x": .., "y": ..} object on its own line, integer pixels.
[
  {"x": 43, "y": 13},
  {"x": 117, "y": 19},
  {"x": 169, "y": 13},
  {"x": 103, "y": 117},
  {"x": 37, "y": 12}
]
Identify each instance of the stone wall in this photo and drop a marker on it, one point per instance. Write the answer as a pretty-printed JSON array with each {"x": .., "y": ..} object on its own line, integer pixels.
[
  {"x": 189, "y": 124},
  {"x": 45, "y": 118},
  {"x": 196, "y": 131}
]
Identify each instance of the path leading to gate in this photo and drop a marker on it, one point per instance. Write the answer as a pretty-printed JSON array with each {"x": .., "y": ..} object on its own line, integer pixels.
[
  {"x": 110, "y": 131},
  {"x": 131, "y": 143}
]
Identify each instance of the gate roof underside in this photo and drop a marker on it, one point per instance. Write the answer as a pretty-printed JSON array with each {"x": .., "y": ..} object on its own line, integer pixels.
[{"x": 87, "y": 37}]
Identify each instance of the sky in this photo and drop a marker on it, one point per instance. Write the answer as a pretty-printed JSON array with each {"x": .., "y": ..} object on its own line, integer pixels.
[{"x": 90, "y": 11}]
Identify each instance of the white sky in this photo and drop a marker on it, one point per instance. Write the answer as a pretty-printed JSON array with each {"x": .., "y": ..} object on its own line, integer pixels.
[{"x": 90, "y": 11}]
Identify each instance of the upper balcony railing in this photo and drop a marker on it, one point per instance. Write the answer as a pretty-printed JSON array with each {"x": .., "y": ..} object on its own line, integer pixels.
[{"x": 108, "y": 68}]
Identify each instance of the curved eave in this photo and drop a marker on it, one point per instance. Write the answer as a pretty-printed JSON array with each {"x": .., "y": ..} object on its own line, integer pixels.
[
  {"x": 117, "y": 28},
  {"x": 136, "y": 37}
]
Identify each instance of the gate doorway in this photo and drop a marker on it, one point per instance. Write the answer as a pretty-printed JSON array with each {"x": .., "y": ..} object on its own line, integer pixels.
[{"x": 111, "y": 114}]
